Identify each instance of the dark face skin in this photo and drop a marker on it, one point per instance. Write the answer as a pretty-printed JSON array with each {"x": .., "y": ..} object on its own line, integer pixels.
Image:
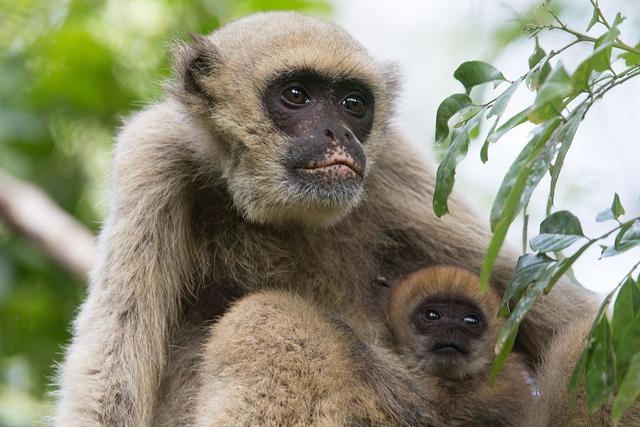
[
  {"x": 446, "y": 332},
  {"x": 327, "y": 123}
]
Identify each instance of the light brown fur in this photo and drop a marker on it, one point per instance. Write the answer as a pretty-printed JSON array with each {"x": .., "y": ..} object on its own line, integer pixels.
[
  {"x": 287, "y": 363},
  {"x": 198, "y": 217},
  {"x": 556, "y": 406},
  {"x": 470, "y": 399}
]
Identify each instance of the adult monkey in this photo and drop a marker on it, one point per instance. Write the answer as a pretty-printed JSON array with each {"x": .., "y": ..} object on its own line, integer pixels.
[{"x": 271, "y": 164}]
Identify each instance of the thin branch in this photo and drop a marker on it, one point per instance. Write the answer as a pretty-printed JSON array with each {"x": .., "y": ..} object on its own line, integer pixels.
[
  {"x": 603, "y": 20},
  {"x": 29, "y": 212}
]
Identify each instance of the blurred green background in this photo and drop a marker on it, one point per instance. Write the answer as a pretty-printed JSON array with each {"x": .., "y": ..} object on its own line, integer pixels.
[{"x": 69, "y": 72}]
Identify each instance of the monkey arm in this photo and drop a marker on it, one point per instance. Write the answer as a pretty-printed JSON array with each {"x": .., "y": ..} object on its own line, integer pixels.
[
  {"x": 115, "y": 361},
  {"x": 276, "y": 359},
  {"x": 458, "y": 238}
]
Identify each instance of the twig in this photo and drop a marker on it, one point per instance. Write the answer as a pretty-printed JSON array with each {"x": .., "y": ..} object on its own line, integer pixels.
[{"x": 28, "y": 211}]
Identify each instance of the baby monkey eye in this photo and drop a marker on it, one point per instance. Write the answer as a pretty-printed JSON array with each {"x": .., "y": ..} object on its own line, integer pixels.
[
  {"x": 295, "y": 96},
  {"x": 471, "y": 319},
  {"x": 354, "y": 104},
  {"x": 431, "y": 314}
]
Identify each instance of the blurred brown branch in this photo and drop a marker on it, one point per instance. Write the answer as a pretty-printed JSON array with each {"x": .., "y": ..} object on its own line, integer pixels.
[{"x": 28, "y": 211}]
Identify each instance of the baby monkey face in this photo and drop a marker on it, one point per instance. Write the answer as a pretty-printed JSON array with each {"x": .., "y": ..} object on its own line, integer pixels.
[
  {"x": 443, "y": 322},
  {"x": 447, "y": 331}
]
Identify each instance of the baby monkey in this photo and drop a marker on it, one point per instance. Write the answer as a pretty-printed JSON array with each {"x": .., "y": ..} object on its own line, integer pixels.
[{"x": 446, "y": 328}]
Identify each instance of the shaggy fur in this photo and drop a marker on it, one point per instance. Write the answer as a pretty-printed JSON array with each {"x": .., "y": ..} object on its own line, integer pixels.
[
  {"x": 284, "y": 362},
  {"x": 556, "y": 406},
  {"x": 198, "y": 216},
  {"x": 471, "y": 399}
]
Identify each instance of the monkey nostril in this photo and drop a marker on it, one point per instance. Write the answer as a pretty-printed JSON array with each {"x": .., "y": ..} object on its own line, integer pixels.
[
  {"x": 329, "y": 133},
  {"x": 347, "y": 135}
]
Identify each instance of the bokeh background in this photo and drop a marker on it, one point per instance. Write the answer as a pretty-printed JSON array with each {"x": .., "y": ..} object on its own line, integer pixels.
[{"x": 70, "y": 70}]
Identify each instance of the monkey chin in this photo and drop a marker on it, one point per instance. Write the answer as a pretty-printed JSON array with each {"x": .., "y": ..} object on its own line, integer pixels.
[
  {"x": 453, "y": 365},
  {"x": 307, "y": 198},
  {"x": 326, "y": 195}
]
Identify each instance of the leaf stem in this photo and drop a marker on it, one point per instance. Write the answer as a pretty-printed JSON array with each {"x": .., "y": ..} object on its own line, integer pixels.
[
  {"x": 601, "y": 17},
  {"x": 525, "y": 228},
  {"x": 622, "y": 77},
  {"x": 614, "y": 229},
  {"x": 578, "y": 35},
  {"x": 568, "y": 262},
  {"x": 585, "y": 38}
]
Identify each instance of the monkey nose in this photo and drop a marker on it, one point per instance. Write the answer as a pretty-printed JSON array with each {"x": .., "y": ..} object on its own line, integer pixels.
[
  {"x": 343, "y": 134},
  {"x": 330, "y": 134}
]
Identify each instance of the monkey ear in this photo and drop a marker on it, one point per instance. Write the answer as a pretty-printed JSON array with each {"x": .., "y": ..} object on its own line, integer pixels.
[
  {"x": 194, "y": 61},
  {"x": 382, "y": 281}
]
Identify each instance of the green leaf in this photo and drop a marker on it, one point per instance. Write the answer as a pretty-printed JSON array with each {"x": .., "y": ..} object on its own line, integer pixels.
[
  {"x": 614, "y": 212},
  {"x": 537, "y": 55},
  {"x": 501, "y": 101},
  {"x": 496, "y": 111},
  {"x": 600, "y": 369},
  {"x": 600, "y": 58},
  {"x": 474, "y": 73},
  {"x": 502, "y": 352},
  {"x": 475, "y": 131},
  {"x": 594, "y": 18},
  {"x": 532, "y": 163},
  {"x": 565, "y": 137},
  {"x": 508, "y": 332},
  {"x": 514, "y": 121},
  {"x": 561, "y": 222},
  {"x": 518, "y": 184},
  {"x": 616, "y": 207},
  {"x": 552, "y": 242},
  {"x": 578, "y": 372},
  {"x": 585, "y": 357},
  {"x": 447, "y": 109},
  {"x": 528, "y": 269},
  {"x": 557, "y": 270},
  {"x": 445, "y": 176},
  {"x": 557, "y": 231},
  {"x": 626, "y": 307},
  {"x": 625, "y": 324},
  {"x": 551, "y": 95},
  {"x": 467, "y": 113},
  {"x": 629, "y": 390},
  {"x": 539, "y": 67},
  {"x": 631, "y": 58},
  {"x": 627, "y": 238}
]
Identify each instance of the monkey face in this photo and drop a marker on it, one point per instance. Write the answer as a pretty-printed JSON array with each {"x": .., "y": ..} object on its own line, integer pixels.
[
  {"x": 325, "y": 123},
  {"x": 448, "y": 336},
  {"x": 298, "y": 116}
]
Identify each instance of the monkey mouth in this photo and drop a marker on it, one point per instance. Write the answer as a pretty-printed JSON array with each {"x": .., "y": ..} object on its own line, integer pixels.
[
  {"x": 449, "y": 349},
  {"x": 338, "y": 164}
]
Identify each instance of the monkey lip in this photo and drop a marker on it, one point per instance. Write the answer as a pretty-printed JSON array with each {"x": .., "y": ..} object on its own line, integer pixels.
[
  {"x": 341, "y": 165},
  {"x": 449, "y": 349}
]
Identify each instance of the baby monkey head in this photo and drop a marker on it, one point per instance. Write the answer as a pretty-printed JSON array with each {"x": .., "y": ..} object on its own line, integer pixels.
[
  {"x": 442, "y": 322},
  {"x": 298, "y": 111}
]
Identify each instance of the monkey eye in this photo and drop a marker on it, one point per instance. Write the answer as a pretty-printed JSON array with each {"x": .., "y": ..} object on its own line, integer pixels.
[
  {"x": 471, "y": 319},
  {"x": 295, "y": 96},
  {"x": 431, "y": 314},
  {"x": 354, "y": 104}
]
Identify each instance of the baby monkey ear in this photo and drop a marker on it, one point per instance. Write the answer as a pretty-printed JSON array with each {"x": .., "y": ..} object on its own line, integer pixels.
[
  {"x": 382, "y": 281},
  {"x": 193, "y": 62}
]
